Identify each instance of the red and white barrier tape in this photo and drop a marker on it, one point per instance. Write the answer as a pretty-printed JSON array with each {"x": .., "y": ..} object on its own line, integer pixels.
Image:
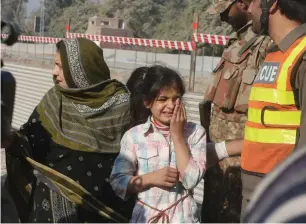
[
  {"x": 168, "y": 44},
  {"x": 37, "y": 39},
  {"x": 210, "y": 38}
]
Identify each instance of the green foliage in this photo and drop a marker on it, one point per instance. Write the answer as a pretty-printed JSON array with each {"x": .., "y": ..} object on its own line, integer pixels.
[
  {"x": 160, "y": 19},
  {"x": 142, "y": 16},
  {"x": 14, "y": 10},
  {"x": 55, "y": 9},
  {"x": 79, "y": 13},
  {"x": 171, "y": 19}
]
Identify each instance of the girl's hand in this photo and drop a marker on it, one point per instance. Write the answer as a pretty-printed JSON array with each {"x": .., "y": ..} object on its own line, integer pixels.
[
  {"x": 178, "y": 120},
  {"x": 165, "y": 177}
]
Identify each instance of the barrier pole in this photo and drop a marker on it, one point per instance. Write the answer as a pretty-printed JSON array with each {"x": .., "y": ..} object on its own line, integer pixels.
[
  {"x": 193, "y": 53},
  {"x": 67, "y": 28}
]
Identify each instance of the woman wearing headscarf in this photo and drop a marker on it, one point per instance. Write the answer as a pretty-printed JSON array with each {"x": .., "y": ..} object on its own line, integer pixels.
[{"x": 60, "y": 160}]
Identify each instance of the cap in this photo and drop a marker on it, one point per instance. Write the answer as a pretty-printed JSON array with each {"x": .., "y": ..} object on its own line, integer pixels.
[{"x": 219, "y": 6}]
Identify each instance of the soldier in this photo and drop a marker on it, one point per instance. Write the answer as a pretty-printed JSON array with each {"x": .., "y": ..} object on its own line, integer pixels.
[{"x": 228, "y": 94}]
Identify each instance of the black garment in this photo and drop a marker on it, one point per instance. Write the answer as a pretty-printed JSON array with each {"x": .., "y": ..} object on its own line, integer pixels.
[{"x": 90, "y": 170}]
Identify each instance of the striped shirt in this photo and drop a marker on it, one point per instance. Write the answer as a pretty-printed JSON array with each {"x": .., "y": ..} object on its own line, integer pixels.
[
  {"x": 163, "y": 129},
  {"x": 144, "y": 149},
  {"x": 281, "y": 196}
]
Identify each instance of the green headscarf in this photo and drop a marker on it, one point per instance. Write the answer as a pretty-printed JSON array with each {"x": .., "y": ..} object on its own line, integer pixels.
[
  {"x": 75, "y": 116},
  {"x": 83, "y": 63}
]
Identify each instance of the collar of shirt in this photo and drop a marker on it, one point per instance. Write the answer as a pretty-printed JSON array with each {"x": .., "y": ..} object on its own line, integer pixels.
[
  {"x": 243, "y": 34},
  {"x": 288, "y": 40},
  {"x": 148, "y": 125}
]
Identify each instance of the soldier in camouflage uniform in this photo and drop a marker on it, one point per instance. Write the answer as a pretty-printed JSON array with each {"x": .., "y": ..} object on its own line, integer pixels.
[{"x": 228, "y": 94}]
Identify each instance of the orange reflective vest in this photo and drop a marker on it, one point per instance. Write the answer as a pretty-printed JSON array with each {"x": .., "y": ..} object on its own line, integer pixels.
[{"x": 273, "y": 119}]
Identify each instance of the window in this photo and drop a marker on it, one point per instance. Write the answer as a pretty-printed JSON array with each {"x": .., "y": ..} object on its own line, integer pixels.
[
  {"x": 105, "y": 23},
  {"x": 121, "y": 24}
]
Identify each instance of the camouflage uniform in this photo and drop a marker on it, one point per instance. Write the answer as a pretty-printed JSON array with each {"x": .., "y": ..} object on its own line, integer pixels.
[{"x": 229, "y": 91}]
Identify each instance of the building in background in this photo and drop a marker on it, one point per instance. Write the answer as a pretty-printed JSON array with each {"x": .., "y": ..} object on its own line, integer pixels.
[{"x": 108, "y": 27}]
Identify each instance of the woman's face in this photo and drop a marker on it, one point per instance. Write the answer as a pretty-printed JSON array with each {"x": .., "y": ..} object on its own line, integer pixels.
[
  {"x": 163, "y": 106},
  {"x": 57, "y": 72}
]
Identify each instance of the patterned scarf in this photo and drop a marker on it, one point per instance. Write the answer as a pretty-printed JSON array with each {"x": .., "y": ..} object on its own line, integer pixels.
[{"x": 81, "y": 117}]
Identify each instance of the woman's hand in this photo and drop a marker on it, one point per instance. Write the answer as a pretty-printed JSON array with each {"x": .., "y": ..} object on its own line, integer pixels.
[{"x": 178, "y": 120}]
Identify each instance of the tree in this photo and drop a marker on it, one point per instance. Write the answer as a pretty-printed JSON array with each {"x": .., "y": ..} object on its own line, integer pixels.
[
  {"x": 55, "y": 8},
  {"x": 79, "y": 13},
  {"x": 13, "y": 10},
  {"x": 142, "y": 16},
  {"x": 171, "y": 19}
]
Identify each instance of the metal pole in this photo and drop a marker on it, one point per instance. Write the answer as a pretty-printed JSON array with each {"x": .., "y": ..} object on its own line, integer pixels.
[
  {"x": 193, "y": 54},
  {"x": 35, "y": 49},
  {"x": 42, "y": 17},
  {"x": 203, "y": 60},
  {"x": 135, "y": 65},
  {"x": 19, "y": 48},
  {"x": 155, "y": 56},
  {"x": 68, "y": 28},
  {"x": 179, "y": 61},
  {"x": 115, "y": 58},
  {"x": 43, "y": 50},
  {"x": 213, "y": 57}
]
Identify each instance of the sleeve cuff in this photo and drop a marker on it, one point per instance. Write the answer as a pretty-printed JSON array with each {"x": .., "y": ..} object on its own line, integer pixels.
[
  {"x": 120, "y": 187},
  {"x": 221, "y": 150}
]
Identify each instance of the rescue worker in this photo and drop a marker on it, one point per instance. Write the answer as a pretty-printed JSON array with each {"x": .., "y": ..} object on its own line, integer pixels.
[
  {"x": 277, "y": 107},
  {"x": 229, "y": 92}
]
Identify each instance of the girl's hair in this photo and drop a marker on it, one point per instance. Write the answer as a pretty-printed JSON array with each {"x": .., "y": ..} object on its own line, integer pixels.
[{"x": 145, "y": 84}]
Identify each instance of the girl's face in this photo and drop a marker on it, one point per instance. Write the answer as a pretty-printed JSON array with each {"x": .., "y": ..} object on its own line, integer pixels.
[{"x": 163, "y": 106}]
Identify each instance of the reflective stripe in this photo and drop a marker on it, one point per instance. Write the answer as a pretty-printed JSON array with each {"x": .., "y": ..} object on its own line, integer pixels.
[
  {"x": 275, "y": 117},
  {"x": 279, "y": 95},
  {"x": 270, "y": 95},
  {"x": 270, "y": 135},
  {"x": 266, "y": 146},
  {"x": 283, "y": 76}
]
